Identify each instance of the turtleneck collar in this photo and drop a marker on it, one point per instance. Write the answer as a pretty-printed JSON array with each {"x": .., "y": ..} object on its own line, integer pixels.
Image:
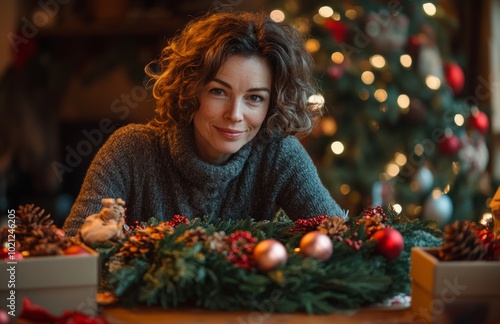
[{"x": 180, "y": 141}]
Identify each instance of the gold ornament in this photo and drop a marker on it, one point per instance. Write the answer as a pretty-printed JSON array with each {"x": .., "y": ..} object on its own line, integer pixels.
[
  {"x": 316, "y": 244},
  {"x": 269, "y": 254}
]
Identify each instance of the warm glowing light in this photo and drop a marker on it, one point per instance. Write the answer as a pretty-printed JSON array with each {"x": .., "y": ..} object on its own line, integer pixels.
[
  {"x": 329, "y": 126},
  {"x": 312, "y": 45},
  {"x": 337, "y": 147},
  {"x": 367, "y": 77},
  {"x": 377, "y": 61},
  {"x": 337, "y": 57},
  {"x": 325, "y": 12},
  {"x": 397, "y": 208},
  {"x": 400, "y": 159},
  {"x": 487, "y": 217},
  {"x": 351, "y": 14},
  {"x": 317, "y": 100},
  {"x": 447, "y": 189},
  {"x": 405, "y": 60},
  {"x": 418, "y": 149},
  {"x": 403, "y": 101},
  {"x": 277, "y": 15},
  {"x": 392, "y": 169},
  {"x": 364, "y": 94},
  {"x": 455, "y": 168},
  {"x": 336, "y": 16},
  {"x": 380, "y": 95},
  {"x": 318, "y": 19},
  {"x": 433, "y": 82},
  {"x": 345, "y": 189},
  {"x": 459, "y": 119},
  {"x": 429, "y": 9},
  {"x": 436, "y": 193}
]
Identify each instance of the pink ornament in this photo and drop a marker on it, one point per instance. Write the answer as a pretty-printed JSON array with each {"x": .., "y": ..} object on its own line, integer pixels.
[
  {"x": 317, "y": 245},
  {"x": 269, "y": 254}
]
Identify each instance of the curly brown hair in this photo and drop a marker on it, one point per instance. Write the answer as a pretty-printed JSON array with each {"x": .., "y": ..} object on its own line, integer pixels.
[{"x": 192, "y": 58}]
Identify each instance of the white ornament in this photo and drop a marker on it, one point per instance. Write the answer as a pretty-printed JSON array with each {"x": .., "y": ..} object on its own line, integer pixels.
[
  {"x": 425, "y": 179},
  {"x": 438, "y": 208}
]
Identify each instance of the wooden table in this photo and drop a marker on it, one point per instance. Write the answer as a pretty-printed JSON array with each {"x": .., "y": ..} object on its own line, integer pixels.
[{"x": 157, "y": 315}]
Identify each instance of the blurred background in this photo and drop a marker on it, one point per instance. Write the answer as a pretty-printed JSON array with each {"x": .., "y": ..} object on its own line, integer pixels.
[{"x": 411, "y": 88}]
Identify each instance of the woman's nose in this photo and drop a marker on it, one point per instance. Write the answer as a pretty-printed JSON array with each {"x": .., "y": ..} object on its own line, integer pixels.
[{"x": 234, "y": 111}]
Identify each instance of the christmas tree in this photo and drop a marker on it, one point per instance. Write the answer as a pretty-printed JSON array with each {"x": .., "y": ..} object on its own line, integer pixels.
[{"x": 397, "y": 130}]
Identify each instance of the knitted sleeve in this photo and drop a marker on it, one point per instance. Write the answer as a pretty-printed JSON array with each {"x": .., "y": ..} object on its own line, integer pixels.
[
  {"x": 109, "y": 176},
  {"x": 301, "y": 192}
]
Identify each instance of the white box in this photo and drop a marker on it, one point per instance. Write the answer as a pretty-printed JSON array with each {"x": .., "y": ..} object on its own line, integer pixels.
[{"x": 57, "y": 283}]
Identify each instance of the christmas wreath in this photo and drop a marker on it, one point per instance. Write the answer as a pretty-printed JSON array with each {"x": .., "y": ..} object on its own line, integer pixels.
[{"x": 319, "y": 265}]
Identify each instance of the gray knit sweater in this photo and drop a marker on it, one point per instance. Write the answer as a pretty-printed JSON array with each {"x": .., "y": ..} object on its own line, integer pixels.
[{"x": 158, "y": 174}]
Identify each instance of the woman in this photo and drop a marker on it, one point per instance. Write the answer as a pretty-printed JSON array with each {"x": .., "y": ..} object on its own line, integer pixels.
[{"x": 231, "y": 92}]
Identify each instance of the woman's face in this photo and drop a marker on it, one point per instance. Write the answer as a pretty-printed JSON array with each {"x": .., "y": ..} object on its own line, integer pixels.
[{"x": 233, "y": 106}]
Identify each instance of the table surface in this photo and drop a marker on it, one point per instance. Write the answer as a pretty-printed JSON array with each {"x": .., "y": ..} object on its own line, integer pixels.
[{"x": 118, "y": 315}]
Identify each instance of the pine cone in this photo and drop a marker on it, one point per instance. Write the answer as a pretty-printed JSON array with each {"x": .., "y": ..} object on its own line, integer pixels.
[
  {"x": 461, "y": 243},
  {"x": 36, "y": 235},
  {"x": 373, "y": 220},
  {"x": 217, "y": 242},
  {"x": 143, "y": 241},
  {"x": 29, "y": 218},
  {"x": 333, "y": 226},
  {"x": 193, "y": 236}
]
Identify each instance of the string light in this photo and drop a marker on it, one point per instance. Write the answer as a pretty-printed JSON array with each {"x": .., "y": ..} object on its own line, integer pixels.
[
  {"x": 337, "y": 147},
  {"x": 377, "y": 61},
  {"x": 317, "y": 100},
  {"x": 418, "y": 149},
  {"x": 318, "y": 19},
  {"x": 486, "y": 218},
  {"x": 277, "y": 15},
  {"x": 397, "y": 208},
  {"x": 312, "y": 45},
  {"x": 429, "y": 9},
  {"x": 392, "y": 169},
  {"x": 325, "y": 12},
  {"x": 433, "y": 82},
  {"x": 380, "y": 95},
  {"x": 329, "y": 126},
  {"x": 367, "y": 77},
  {"x": 403, "y": 101},
  {"x": 405, "y": 60},
  {"x": 345, "y": 189},
  {"x": 400, "y": 158},
  {"x": 364, "y": 94},
  {"x": 337, "y": 57},
  {"x": 351, "y": 14},
  {"x": 459, "y": 120}
]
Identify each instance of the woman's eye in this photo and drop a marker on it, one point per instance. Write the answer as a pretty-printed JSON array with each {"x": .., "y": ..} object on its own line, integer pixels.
[
  {"x": 256, "y": 98},
  {"x": 217, "y": 91}
]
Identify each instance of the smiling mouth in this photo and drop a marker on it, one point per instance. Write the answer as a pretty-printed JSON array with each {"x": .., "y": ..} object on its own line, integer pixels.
[{"x": 229, "y": 133}]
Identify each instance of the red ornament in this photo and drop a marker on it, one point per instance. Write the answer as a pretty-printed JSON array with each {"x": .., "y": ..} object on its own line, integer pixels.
[
  {"x": 338, "y": 29},
  {"x": 479, "y": 121},
  {"x": 390, "y": 242},
  {"x": 454, "y": 77},
  {"x": 450, "y": 145},
  {"x": 491, "y": 243}
]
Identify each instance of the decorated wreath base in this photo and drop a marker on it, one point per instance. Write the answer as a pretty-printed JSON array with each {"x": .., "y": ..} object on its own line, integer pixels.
[{"x": 215, "y": 264}]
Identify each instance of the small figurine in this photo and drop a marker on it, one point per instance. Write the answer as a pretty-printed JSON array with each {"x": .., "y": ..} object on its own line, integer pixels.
[
  {"x": 105, "y": 226},
  {"x": 495, "y": 211}
]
